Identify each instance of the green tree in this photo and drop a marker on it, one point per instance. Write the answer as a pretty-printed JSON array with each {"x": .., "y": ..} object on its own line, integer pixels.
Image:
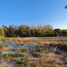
[
  {"x": 24, "y": 31},
  {"x": 64, "y": 32},
  {"x": 1, "y": 31}
]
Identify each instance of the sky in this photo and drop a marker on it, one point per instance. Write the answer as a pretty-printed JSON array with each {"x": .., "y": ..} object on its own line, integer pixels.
[{"x": 33, "y": 12}]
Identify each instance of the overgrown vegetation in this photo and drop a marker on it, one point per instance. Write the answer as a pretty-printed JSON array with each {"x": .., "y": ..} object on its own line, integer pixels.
[
  {"x": 41, "y": 56},
  {"x": 31, "y": 31}
]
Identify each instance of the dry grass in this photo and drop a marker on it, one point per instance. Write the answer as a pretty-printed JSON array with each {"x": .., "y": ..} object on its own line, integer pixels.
[{"x": 35, "y": 40}]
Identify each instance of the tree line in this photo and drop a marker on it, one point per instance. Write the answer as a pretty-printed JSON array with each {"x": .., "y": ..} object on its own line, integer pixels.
[{"x": 31, "y": 31}]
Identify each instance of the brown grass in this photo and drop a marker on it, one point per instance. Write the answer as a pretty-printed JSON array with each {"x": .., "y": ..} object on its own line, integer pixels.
[{"x": 39, "y": 41}]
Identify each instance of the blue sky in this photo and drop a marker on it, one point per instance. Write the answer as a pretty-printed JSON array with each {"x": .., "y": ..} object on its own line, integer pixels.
[{"x": 33, "y": 12}]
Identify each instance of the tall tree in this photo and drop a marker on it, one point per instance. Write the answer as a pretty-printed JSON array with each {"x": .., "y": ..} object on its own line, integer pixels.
[{"x": 1, "y": 31}]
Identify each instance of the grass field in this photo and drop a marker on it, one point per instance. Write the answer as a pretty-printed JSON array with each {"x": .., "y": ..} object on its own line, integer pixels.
[
  {"x": 27, "y": 54},
  {"x": 37, "y": 40}
]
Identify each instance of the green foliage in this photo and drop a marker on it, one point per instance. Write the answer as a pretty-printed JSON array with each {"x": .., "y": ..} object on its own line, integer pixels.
[
  {"x": 24, "y": 31},
  {"x": 64, "y": 32},
  {"x": 1, "y": 31},
  {"x": 31, "y": 31},
  {"x": 3, "y": 39}
]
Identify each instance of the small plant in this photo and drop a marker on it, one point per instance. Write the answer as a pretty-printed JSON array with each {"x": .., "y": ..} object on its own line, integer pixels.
[{"x": 3, "y": 39}]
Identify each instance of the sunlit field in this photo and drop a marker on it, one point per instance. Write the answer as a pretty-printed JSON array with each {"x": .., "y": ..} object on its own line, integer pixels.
[
  {"x": 33, "y": 52},
  {"x": 33, "y": 33}
]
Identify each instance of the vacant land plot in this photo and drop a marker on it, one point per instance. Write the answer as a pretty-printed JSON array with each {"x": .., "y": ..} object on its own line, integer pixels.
[{"x": 37, "y": 40}]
